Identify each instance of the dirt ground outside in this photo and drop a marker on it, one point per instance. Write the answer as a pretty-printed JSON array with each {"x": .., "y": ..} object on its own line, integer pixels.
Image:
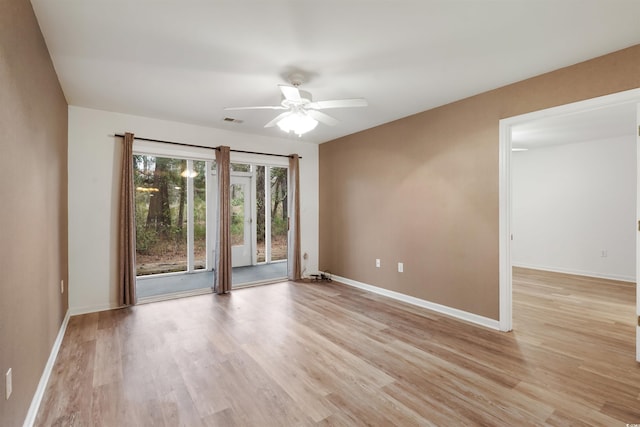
[{"x": 170, "y": 258}]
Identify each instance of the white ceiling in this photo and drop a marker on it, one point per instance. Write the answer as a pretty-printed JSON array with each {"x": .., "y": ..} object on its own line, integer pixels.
[{"x": 186, "y": 60}]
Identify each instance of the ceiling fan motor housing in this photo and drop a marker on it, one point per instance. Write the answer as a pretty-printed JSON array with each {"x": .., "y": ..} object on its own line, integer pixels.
[{"x": 305, "y": 98}]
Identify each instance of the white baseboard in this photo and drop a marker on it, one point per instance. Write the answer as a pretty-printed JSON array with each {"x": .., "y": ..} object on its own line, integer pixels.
[
  {"x": 439, "y": 308},
  {"x": 575, "y": 272},
  {"x": 92, "y": 309},
  {"x": 44, "y": 379}
]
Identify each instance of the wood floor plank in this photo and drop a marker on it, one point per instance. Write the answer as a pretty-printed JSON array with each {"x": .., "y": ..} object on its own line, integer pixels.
[
  {"x": 324, "y": 354},
  {"x": 573, "y": 408},
  {"x": 106, "y": 369},
  {"x": 308, "y": 390}
]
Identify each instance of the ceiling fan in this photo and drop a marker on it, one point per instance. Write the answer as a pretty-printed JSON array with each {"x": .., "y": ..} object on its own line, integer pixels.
[{"x": 302, "y": 113}]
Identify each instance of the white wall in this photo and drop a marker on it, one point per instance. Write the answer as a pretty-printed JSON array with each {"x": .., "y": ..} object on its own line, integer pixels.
[
  {"x": 573, "y": 201},
  {"x": 94, "y": 159}
]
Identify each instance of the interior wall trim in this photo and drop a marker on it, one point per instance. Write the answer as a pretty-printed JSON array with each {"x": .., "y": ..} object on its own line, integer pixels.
[
  {"x": 438, "y": 308},
  {"x": 44, "y": 379}
]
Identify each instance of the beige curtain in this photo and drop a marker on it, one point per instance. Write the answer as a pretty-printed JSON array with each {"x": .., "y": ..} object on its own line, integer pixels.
[
  {"x": 126, "y": 227},
  {"x": 222, "y": 280},
  {"x": 294, "y": 267}
]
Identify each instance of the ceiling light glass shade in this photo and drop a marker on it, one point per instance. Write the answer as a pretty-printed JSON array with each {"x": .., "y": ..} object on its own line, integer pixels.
[{"x": 298, "y": 122}]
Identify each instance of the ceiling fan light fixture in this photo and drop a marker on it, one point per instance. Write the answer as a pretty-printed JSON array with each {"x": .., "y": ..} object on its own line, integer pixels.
[
  {"x": 299, "y": 122},
  {"x": 302, "y": 113}
]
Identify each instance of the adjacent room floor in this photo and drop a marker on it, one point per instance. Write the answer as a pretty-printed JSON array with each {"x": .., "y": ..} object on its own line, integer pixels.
[{"x": 310, "y": 354}]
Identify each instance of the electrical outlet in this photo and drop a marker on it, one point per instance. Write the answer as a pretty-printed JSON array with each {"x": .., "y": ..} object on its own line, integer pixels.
[
  {"x": 8, "y": 383},
  {"x": 400, "y": 267},
  {"x": 62, "y": 286},
  {"x": 378, "y": 262}
]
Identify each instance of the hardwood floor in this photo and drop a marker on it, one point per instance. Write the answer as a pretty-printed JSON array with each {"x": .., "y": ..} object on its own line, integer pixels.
[{"x": 318, "y": 354}]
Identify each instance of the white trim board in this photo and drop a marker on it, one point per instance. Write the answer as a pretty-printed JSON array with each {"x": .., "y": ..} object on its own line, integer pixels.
[
  {"x": 93, "y": 309},
  {"x": 505, "y": 276},
  {"x": 619, "y": 278},
  {"x": 44, "y": 379},
  {"x": 438, "y": 308}
]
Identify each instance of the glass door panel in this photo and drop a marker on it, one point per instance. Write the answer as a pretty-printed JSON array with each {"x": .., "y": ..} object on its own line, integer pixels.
[
  {"x": 260, "y": 214},
  {"x": 161, "y": 234},
  {"x": 237, "y": 214},
  {"x": 171, "y": 224},
  {"x": 240, "y": 221},
  {"x": 279, "y": 213},
  {"x": 200, "y": 215}
]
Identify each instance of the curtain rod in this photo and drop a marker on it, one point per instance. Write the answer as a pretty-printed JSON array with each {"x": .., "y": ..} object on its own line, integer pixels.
[{"x": 119, "y": 135}]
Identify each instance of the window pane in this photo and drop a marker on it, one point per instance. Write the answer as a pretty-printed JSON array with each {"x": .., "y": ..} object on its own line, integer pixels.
[
  {"x": 279, "y": 213},
  {"x": 260, "y": 213},
  {"x": 161, "y": 219},
  {"x": 237, "y": 214},
  {"x": 200, "y": 215},
  {"x": 240, "y": 167}
]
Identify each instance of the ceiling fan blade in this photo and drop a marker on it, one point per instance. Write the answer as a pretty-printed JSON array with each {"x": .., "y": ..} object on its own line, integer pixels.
[
  {"x": 263, "y": 107},
  {"x": 290, "y": 92},
  {"x": 338, "y": 103},
  {"x": 275, "y": 121},
  {"x": 322, "y": 117}
]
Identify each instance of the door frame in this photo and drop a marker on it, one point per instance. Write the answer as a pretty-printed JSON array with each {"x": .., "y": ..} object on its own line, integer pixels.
[
  {"x": 505, "y": 230},
  {"x": 638, "y": 235}
]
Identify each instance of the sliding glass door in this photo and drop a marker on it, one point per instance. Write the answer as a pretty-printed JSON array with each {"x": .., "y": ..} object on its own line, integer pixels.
[
  {"x": 259, "y": 223},
  {"x": 175, "y": 205},
  {"x": 278, "y": 214},
  {"x": 161, "y": 234},
  {"x": 171, "y": 222},
  {"x": 272, "y": 213}
]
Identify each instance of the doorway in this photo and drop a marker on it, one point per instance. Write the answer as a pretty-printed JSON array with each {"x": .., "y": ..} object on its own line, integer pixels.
[{"x": 631, "y": 98}]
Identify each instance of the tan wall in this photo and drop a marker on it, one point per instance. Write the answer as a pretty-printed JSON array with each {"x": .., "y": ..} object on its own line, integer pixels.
[
  {"x": 423, "y": 190},
  {"x": 33, "y": 206}
]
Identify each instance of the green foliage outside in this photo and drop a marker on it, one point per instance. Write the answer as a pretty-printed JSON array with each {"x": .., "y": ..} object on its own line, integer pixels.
[
  {"x": 161, "y": 209},
  {"x": 278, "y": 205}
]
